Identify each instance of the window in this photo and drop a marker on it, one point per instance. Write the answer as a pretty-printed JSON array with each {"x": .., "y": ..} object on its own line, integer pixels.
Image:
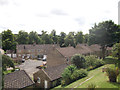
[{"x": 38, "y": 80}]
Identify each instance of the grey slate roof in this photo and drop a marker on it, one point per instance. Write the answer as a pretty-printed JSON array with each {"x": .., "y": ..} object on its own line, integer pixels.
[
  {"x": 55, "y": 72},
  {"x": 17, "y": 80}
]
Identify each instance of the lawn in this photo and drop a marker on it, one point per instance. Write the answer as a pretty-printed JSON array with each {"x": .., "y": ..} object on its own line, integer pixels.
[{"x": 99, "y": 79}]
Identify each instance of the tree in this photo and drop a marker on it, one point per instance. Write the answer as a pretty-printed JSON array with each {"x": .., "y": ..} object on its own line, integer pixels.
[
  {"x": 46, "y": 38},
  {"x": 22, "y": 37},
  {"x": 54, "y": 37},
  {"x": 70, "y": 40},
  {"x": 34, "y": 38},
  {"x": 78, "y": 60},
  {"x": 103, "y": 34},
  {"x": 116, "y": 50},
  {"x": 7, "y": 62},
  {"x": 61, "y": 39},
  {"x": 79, "y": 37},
  {"x": 8, "y": 40},
  {"x": 66, "y": 75},
  {"x": 86, "y": 38}
]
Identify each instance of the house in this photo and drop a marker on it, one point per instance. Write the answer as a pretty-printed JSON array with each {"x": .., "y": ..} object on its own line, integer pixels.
[
  {"x": 33, "y": 50},
  {"x": 82, "y": 49},
  {"x": 17, "y": 80},
  {"x": 49, "y": 77}
]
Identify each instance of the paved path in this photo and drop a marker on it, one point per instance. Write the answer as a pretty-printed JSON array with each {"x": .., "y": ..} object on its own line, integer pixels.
[
  {"x": 30, "y": 66},
  {"x": 84, "y": 81}
]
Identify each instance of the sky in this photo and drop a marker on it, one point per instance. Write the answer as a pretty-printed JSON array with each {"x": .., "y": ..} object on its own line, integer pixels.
[{"x": 60, "y": 15}]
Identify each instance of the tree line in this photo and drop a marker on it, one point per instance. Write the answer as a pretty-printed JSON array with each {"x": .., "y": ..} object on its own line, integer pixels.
[
  {"x": 10, "y": 40},
  {"x": 105, "y": 33}
]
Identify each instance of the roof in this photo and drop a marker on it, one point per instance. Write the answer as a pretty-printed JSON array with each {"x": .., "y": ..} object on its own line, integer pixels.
[
  {"x": 35, "y": 46},
  {"x": 67, "y": 51},
  {"x": 17, "y": 79},
  {"x": 80, "y": 49},
  {"x": 55, "y": 72}
]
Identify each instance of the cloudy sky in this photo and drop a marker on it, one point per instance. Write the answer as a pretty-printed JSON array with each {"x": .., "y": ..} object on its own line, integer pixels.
[{"x": 61, "y": 15}]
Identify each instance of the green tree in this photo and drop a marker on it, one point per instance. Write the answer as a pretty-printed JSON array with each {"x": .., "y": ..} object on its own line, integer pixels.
[
  {"x": 66, "y": 75},
  {"x": 116, "y": 50},
  {"x": 104, "y": 34},
  {"x": 22, "y": 37},
  {"x": 61, "y": 39},
  {"x": 79, "y": 37},
  {"x": 8, "y": 40},
  {"x": 86, "y": 38},
  {"x": 54, "y": 37},
  {"x": 70, "y": 40},
  {"x": 46, "y": 39},
  {"x": 34, "y": 38},
  {"x": 7, "y": 62},
  {"x": 78, "y": 60}
]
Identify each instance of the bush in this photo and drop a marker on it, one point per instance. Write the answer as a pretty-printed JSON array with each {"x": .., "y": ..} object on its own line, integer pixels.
[
  {"x": 112, "y": 74},
  {"x": 92, "y": 62},
  {"x": 71, "y": 74},
  {"x": 119, "y": 78},
  {"x": 66, "y": 75},
  {"x": 91, "y": 86},
  {"x": 78, "y": 60},
  {"x": 99, "y": 62}
]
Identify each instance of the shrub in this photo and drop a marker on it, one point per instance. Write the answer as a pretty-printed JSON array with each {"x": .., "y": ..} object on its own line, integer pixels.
[
  {"x": 71, "y": 74},
  {"x": 78, "y": 60},
  {"x": 91, "y": 86},
  {"x": 119, "y": 78},
  {"x": 99, "y": 62},
  {"x": 92, "y": 62},
  {"x": 112, "y": 74},
  {"x": 66, "y": 75}
]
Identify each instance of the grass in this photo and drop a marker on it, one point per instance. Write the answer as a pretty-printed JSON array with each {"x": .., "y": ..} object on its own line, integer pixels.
[
  {"x": 8, "y": 71},
  {"x": 100, "y": 80}
]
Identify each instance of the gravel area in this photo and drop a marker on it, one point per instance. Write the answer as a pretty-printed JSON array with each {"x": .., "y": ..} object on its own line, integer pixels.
[{"x": 30, "y": 66}]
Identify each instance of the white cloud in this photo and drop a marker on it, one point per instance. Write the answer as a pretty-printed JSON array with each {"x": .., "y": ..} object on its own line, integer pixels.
[{"x": 61, "y": 15}]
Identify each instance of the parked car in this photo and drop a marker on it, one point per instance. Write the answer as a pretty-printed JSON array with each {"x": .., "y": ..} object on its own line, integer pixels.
[{"x": 23, "y": 60}]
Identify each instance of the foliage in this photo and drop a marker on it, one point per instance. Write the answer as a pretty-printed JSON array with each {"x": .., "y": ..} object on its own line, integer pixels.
[
  {"x": 116, "y": 50},
  {"x": 61, "y": 39},
  {"x": 71, "y": 73},
  {"x": 34, "y": 38},
  {"x": 7, "y": 62},
  {"x": 54, "y": 37},
  {"x": 91, "y": 86},
  {"x": 104, "y": 34},
  {"x": 70, "y": 40},
  {"x": 78, "y": 74},
  {"x": 79, "y": 37},
  {"x": 8, "y": 40},
  {"x": 78, "y": 60},
  {"x": 112, "y": 74},
  {"x": 22, "y": 37},
  {"x": 66, "y": 75},
  {"x": 92, "y": 62},
  {"x": 46, "y": 38}
]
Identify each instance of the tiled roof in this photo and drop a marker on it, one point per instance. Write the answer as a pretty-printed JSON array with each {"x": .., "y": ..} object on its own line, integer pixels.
[
  {"x": 17, "y": 80},
  {"x": 55, "y": 72},
  {"x": 67, "y": 51},
  {"x": 80, "y": 49},
  {"x": 36, "y": 46}
]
